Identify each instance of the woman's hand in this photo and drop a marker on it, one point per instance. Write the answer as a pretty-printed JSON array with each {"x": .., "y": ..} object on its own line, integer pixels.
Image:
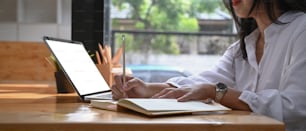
[
  {"x": 197, "y": 92},
  {"x": 172, "y": 92},
  {"x": 133, "y": 88}
]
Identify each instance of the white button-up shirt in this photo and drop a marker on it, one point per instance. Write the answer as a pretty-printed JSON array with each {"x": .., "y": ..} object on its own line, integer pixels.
[{"x": 275, "y": 87}]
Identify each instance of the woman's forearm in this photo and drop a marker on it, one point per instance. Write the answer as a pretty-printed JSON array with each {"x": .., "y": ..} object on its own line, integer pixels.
[{"x": 231, "y": 99}]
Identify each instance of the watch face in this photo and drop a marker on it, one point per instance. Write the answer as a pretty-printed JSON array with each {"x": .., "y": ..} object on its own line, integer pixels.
[{"x": 221, "y": 86}]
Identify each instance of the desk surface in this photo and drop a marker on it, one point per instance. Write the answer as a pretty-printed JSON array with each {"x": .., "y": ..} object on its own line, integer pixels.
[{"x": 37, "y": 106}]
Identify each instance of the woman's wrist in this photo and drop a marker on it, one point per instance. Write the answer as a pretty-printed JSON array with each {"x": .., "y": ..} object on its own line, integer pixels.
[{"x": 212, "y": 91}]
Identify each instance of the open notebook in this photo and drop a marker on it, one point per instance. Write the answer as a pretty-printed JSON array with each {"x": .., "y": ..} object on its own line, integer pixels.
[
  {"x": 79, "y": 68},
  {"x": 158, "y": 107}
]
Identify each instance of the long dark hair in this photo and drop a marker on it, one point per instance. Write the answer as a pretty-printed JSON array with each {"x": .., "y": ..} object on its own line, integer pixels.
[{"x": 247, "y": 25}]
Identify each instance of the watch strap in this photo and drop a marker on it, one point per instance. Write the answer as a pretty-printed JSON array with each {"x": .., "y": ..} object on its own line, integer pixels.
[{"x": 221, "y": 89}]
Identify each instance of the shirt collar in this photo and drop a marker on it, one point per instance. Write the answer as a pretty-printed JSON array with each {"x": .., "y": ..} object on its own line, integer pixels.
[
  {"x": 289, "y": 16},
  {"x": 284, "y": 18},
  {"x": 271, "y": 30}
]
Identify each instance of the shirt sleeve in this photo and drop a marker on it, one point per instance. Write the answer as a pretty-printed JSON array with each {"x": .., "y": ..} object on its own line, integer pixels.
[
  {"x": 287, "y": 103},
  {"x": 222, "y": 72}
]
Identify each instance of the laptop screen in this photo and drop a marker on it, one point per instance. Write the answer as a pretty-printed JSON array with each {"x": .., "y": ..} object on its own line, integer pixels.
[{"x": 78, "y": 66}]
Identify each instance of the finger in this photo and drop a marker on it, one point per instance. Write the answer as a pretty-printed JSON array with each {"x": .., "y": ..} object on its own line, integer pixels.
[
  {"x": 161, "y": 93},
  {"x": 186, "y": 97},
  {"x": 126, "y": 87},
  {"x": 129, "y": 77},
  {"x": 208, "y": 101},
  {"x": 157, "y": 95},
  {"x": 170, "y": 94},
  {"x": 116, "y": 95},
  {"x": 132, "y": 83},
  {"x": 115, "y": 90},
  {"x": 118, "y": 80}
]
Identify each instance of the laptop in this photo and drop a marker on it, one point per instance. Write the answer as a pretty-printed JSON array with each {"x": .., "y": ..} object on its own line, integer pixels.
[{"x": 79, "y": 68}]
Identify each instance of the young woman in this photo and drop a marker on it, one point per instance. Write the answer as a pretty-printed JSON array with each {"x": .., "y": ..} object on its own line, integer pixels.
[{"x": 264, "y": 72}]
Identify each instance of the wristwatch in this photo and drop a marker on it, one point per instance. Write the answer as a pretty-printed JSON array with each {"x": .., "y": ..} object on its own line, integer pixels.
[{"x": 221, "y": 89}]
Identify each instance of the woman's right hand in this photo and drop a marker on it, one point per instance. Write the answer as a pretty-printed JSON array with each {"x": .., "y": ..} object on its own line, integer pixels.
[{"x": 133, "y": 88}]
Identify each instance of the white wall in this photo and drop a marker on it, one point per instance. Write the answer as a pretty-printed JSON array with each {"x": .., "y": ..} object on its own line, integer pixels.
[{"x": 30, "y": 20}]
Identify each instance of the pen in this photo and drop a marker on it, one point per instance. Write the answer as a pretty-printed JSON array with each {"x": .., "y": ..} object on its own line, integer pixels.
[
  {"x": 123, "y": 58},
  {"x": 123, "y": 63}
]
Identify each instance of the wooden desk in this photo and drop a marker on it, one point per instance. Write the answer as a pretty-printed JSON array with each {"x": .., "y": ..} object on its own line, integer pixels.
[{"x": 33, "y": 107}]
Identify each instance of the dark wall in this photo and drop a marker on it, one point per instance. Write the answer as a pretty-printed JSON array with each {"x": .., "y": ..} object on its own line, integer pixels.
[{"x": 87, "y": 22}]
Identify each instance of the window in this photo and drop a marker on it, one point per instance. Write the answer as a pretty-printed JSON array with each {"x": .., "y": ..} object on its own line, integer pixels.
[{"x": 188, "y": 34}]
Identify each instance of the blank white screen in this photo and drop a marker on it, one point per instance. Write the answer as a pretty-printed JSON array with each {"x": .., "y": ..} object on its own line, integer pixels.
[{"x": 78, "y": 65}]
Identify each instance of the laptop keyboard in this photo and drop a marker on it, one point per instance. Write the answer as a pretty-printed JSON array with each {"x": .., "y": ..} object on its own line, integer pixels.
[{"x": 107, "y": 95}]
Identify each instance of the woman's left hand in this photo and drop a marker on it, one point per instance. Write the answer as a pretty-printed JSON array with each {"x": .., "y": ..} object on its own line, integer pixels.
[{"x": 197, "y": 92}]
